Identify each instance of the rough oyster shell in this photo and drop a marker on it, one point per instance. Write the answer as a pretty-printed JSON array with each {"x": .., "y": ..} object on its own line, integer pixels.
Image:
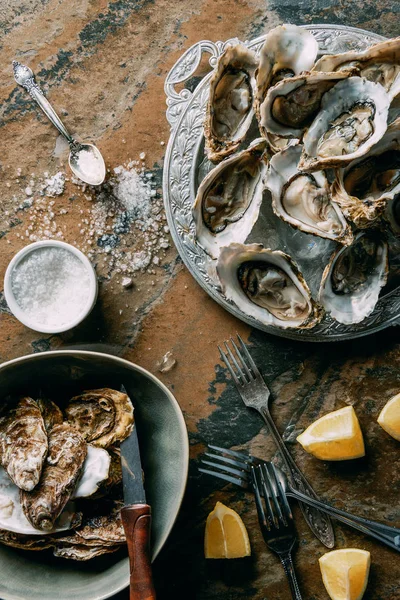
[
  {"x": 287, "y": 51},
  {"x": 304, "y": 199},
  {"x": 51, "y": 413},
  {"x": 230, "y": 105},
  {"x": 354, "y": 277},
  {"x": 23, "y": 443},
  {"x": 102, "y": 416},
  {"x": 266, "y": 285},
  {"x": 291, "y": 105},
  {"x": 363, "y": 188},
  {"x": 379, "y": 63},
  {"x": 229, "y": 198},
  {"x": 353, "y": 117},
  {"x": 392, "y": 215},
  {"x": 63, "y": 466}
]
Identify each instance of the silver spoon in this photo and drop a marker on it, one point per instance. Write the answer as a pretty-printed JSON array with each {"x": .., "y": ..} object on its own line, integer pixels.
[{"x": 85, "y": 160}]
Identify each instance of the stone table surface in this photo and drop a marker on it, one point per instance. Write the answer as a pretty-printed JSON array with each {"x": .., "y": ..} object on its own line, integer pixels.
[{"x": 103, "y": 64}]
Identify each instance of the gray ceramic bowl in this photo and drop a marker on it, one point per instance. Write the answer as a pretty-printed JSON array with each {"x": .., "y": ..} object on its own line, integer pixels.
[{"x": 164, "y": 449}]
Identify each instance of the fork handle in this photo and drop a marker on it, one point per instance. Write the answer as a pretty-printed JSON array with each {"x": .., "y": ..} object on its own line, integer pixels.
[
  {"x": 319, "y": 523},
  {"x": 390, "y": 536},
  {"x": 286, "y": 560}
]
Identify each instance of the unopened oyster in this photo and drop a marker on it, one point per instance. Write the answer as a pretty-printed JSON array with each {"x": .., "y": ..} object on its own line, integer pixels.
[
  {"x": 230, "y": 105},
  {"x": 354, "y": 277},
  {"x": 288, "y": 50},
  {"x": 51, "y": 413},
  {"x": 102, "y": 416},
  {"x": 353, "y": 117},
  {"x": 392, "y": 215},
  {"x": 266, "y": 285},
  {"x": 229, "y": 198},
  {"x": 23, "y": 443},
  {"x": 379, "y": 63},
  {"x": 291, "y": 105},
  {"x": 304, "y": 199},
  {"x": 364, "y": 187}
]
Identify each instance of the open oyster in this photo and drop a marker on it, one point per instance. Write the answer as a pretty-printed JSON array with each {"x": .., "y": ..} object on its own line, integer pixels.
[
  {"x": 303, "y": 199},
  {"x": 266, "y": 285},
  {"x": 291, "y": 105},
  {"x": 364, "y": 187},
  {"x": 379, "y": 63},
  {"x": 63, "y": 466},
  {"x": 229, "y": 198},
  {"x": 353, "y": 117},
  {"x": 230, "y": 105},
  {"x": 95, "y": 471},
  {"x": 23, "y": 443},
  {"x": 353, "y": 279},
  {"x": 287, "y": 51},
  {"x": 102, "y": 416}
]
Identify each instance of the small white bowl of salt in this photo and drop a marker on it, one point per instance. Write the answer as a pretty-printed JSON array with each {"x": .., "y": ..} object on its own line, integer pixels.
[{"x": 50, "y": 286}]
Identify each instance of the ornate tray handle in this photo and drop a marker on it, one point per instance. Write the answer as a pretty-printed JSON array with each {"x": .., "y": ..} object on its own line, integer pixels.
[{"x": 185, "y": 68}]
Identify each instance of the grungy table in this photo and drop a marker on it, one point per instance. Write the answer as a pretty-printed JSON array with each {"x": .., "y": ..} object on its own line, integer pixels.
[{"x": 106, "y": 62}]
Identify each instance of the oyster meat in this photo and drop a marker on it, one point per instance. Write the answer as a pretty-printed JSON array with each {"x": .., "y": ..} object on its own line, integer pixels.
[
  {"x": 23, "y": 443},
  {"x": 354, "y": 277},
  {"x": 230, "y": 105},
  {"x": 102, "y": 416},
  {"x": 95, "y": 472},
  {"x": 364, "y": 187},
  {"x": 63, "y": 466},
  {"x": 229, "y": 198},
  {"x": 266, "y": 285},
  {"x": 353, "y": 117},
  {"x": 291, "y": 105},
  {"x": 379, "y": 63},
  {"x": 304, "y": 199}
]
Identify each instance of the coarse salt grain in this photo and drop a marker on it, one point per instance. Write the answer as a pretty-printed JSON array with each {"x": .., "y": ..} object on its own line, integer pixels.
[{"x": 51, "y": 286}]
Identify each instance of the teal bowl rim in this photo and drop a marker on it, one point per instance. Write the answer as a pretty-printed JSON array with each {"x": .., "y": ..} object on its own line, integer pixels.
[{"x": 126, "y": 363}]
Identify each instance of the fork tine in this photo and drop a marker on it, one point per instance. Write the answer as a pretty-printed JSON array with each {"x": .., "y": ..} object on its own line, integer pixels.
[
  {"x": 274, "y": 511},
  {"x": 243, "y": 362},
  {"x": 225, "y": 477},
  {"x": 259, "y": 505},
  {"x": 235, "y": 362},
  {"x": 248, "y": 355},
  {"x": 280, "y": 492},
  {"x": 237, "y": 472},
  {"x": 243, "y": 456},
  {"x": 242, "y": 466},
  {"x": 228, "y": 364}
]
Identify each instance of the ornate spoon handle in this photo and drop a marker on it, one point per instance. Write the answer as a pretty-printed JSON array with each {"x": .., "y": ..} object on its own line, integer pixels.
[{"x": 24, "y": 76}]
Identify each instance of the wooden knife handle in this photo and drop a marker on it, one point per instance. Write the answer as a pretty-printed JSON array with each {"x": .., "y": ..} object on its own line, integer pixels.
[{"x": 136, "y": 520}]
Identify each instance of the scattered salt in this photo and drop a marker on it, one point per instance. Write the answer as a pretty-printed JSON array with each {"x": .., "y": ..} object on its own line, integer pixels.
[
  {"x": 51, "y": 286},
  {"x": 142, "y": 155},
  {"x": 54, "y": 186},
  {"x": 126, "y": 282},
  {"x": 167, "y": 363}
]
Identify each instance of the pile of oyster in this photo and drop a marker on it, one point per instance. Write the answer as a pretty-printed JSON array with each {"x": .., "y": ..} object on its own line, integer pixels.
[
  {"x": 328, "y": 151},
  {"x": 60, "y": 474}
]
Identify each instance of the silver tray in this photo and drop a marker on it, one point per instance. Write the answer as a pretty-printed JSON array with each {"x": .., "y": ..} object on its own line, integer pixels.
[{"x": 185, "y": 166}]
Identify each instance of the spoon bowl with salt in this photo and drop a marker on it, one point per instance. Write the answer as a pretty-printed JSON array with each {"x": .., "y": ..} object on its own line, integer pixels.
[{"x": 85, "y": 160}]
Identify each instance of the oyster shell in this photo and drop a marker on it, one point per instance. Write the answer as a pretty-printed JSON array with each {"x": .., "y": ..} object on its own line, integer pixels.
[
  {"x": 25, "y": 542},
  {"x": 379, "y": 63},
  {"x": 51, "y": 413},
  {"x": 392, "y": 215},
  {"x": 229, "y": 198},
  {"x": 63, "y": 466},
  {"x": 291, "y": 105},
  {"x": 364, "y": 187},
  {"x": 230, "y": 105},
  {"x": 354, "y": 277},
  {"x": 266, "y": 285},
  {"x": 102, "y": 416},
  {"x": 287, "y": 51},
  {"x": 23, "y": 443},
  {"x": 353, "y": 117},
  {"x": 304, "y": 199}
]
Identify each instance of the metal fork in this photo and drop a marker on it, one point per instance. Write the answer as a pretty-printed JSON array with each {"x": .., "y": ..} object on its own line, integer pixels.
[
  {"x": 276, "y": 521},
  {"x": 255, "y": 394},
  {"x": 235, "y": 467}
]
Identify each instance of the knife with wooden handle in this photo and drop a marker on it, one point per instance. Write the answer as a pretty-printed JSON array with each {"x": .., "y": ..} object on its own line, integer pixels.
[{"x": 136, "y": 519}]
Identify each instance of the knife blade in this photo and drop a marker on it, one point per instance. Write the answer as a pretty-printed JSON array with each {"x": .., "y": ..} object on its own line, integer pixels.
[{"x": 136, "y": 519}]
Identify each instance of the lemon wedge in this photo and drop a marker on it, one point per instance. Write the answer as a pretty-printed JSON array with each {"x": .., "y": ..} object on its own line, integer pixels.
[
  {"x": 389, "y": 418},
  {"x": 226, "y": 535},
  {"x": 345, "y": 573},
  {"x": 335, "y": 436}
]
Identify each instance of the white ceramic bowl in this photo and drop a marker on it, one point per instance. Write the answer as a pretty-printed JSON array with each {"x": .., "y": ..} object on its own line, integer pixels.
[{"x": 21, "y": 314}]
